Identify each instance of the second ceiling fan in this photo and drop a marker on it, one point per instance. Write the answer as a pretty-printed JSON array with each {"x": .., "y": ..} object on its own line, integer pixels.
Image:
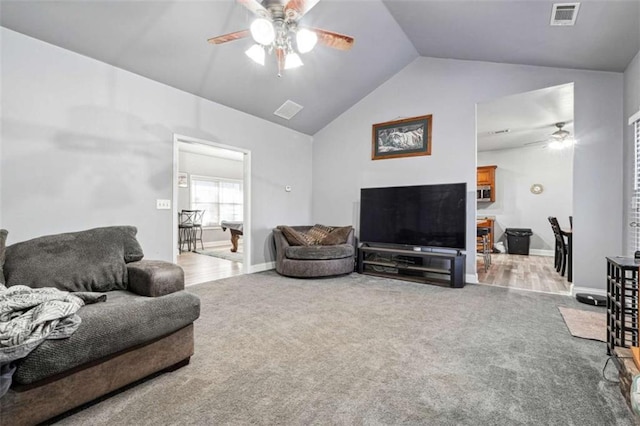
[{"x": 275, "y": 28}]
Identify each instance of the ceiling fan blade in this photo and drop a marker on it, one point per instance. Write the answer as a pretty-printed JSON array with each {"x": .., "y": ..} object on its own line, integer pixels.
[
  {"x": 229, "y": 37},
  {"x": 334, "y": 40},
  {"x": 299, "y": 7},
  {"x": 255, "y": 7}
]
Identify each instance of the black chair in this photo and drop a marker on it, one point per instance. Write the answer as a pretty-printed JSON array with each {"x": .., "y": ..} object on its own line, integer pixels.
[
  {"x": 185, "y": 229},
  {"x": 482, "y": 246},
  {"x": 561, "y": 250}
]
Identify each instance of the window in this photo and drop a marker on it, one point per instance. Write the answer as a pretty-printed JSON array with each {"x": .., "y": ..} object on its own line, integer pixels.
[
  {"x": 634, "y": 216},
  {"x": 221, "y": 199}
]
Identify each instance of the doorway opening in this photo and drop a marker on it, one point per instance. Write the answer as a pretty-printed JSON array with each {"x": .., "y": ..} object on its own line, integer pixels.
[
  {"x": 525, "y": 149},
  {"x": 211, "y": 209}
]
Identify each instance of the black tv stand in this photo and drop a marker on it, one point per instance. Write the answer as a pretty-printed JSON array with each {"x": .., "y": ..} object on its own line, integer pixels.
[{"x": 409, "y": 265}]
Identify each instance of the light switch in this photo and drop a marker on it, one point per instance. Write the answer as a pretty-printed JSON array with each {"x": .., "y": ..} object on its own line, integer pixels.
[{"x": 163, "y": 204}]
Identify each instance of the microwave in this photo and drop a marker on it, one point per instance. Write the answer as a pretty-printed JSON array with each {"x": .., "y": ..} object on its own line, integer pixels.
[{"x": 484, "y": 193}]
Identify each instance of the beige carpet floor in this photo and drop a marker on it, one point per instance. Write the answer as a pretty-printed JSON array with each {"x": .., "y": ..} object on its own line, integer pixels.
[
  {"x": 361, "y": 350},
  {"x": 585, "y": 324}
]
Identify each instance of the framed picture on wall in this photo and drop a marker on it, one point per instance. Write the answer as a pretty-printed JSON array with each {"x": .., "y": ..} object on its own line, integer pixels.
[
  {"x": 183, "y": 180},
  {"x": 409, "y": 137}
]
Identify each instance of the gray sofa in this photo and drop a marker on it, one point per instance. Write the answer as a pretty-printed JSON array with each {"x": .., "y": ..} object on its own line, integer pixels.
[
  {"x": 145, "y": 325},
  {"x": 313, "y": 260}
]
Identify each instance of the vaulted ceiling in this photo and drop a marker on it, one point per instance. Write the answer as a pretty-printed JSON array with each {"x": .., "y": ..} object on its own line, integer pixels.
[{"x": 167, "y": 42}]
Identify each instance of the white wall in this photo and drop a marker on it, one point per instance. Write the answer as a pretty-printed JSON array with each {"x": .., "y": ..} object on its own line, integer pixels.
[
  {"x": 515, "y": 205},
  {"x": 631, "y": 106},
  {"x": 206, "y": 165},
  {"x": 450, "y": 90},
  {"x": 85, "y": 144}
]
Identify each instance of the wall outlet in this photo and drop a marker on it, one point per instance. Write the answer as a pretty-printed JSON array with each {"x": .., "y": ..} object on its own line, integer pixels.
[{"x": 163, "y": 204}]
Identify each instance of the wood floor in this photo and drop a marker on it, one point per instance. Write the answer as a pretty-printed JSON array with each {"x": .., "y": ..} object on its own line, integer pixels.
[
  {"x": 535, "y": 273},
  {"x": 199, "y": 268}
]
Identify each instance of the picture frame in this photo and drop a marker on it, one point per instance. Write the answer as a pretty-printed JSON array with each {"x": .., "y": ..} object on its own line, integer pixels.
[
  {"x": 409, "y": 137},
  {"x": 183, "y": 180}
]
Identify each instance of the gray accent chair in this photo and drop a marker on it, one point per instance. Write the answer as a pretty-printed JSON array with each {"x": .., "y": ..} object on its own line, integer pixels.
[
  {"x": 145, "y": 326},
  {"x": 313, "y": 261}
]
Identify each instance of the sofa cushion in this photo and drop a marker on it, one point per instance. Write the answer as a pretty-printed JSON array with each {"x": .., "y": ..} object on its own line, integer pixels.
[
  {"x": 3, "y": 241},
  {"x": 319, "y": 232},
  {"x": 296, "y": 238},
  {"x": 122, "y": 322},
  {"x": 337, "y": 236},
  {"x": 92, "y": 260},
  {"x": 319, "y": 252}
]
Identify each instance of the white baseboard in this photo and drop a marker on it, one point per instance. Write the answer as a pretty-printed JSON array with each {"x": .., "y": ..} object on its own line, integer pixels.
[
  {"x": 538, "y": 252},
  {"x": 261, "y": 267},
  {"x": 471, "y": 278},
  {"x": 589, "y": 290}
]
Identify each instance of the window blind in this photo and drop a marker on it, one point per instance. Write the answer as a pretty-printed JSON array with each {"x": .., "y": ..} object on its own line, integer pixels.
[
  {"x": 221, "y": 199},
  {"x": 634, "y": 216}
]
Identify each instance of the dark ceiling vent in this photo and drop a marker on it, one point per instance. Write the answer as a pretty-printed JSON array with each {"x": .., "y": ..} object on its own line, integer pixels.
[
  {"x": 288, "y": 109},
  {"x": 564, "y": 14}
]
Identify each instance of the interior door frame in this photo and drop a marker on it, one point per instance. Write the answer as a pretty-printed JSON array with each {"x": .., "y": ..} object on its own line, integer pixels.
[{"x": 246, "y": 187}]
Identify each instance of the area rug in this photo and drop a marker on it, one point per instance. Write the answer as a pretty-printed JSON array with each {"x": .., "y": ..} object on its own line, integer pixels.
[
  {"x": 362, "y": 350},
  {"x": 224, "y": 253},
  {"x": 585, "y": 324}
]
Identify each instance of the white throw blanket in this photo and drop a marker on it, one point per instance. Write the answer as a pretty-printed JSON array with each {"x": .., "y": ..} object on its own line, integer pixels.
[{"x": 28, "y": 316}]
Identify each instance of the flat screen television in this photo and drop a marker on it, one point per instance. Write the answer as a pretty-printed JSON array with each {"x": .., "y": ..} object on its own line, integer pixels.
[{"x": 424, "y": 215}]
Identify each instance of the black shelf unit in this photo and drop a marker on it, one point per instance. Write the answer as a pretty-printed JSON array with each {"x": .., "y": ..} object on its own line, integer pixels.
[
  {"x": 622, "y": 303},
  {"x": 409, "y": 265}
]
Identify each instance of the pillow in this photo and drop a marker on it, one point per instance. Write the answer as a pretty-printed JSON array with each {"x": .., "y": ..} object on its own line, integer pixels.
[
  {"x": 337, "y": 236},
  {"x": 319, "y": 232},
  {"x": 3, "y": 241},
  {"x": 92, "y": 260},
  {"x": 296, "y": 238}
]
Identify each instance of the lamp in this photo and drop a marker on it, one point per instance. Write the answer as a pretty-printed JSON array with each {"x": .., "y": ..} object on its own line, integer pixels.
[
  {"x": 256, "y": 53},
  {"x": 276, "y": 36},
  {"x": 306, "y": 40},
  {"x": 262, "y": 31},
  {"x": 292, "y": 60}
]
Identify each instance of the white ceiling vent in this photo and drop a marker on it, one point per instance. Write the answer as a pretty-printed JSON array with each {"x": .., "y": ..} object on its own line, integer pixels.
[
  {"x": 564, "y": 14},
  {"x": 288, "y": 109}
]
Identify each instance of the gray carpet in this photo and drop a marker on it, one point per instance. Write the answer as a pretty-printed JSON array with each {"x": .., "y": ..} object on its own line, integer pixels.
[
  {"x": 366, "y": 350},
  {"x": 223, "y": 253}
]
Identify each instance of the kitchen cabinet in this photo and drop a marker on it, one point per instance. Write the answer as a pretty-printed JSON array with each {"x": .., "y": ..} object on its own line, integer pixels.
[{"x": 486, "y": 176}]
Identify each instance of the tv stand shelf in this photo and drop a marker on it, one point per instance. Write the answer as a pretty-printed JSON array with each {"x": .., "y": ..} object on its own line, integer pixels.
[{"x": 409, "y": 265}]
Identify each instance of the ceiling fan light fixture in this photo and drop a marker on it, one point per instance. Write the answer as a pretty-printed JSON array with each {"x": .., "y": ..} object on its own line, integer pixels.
[
  {"x": 560, "y": 134},
  {"x": 256, "y": 53},
  {"x": 292, "y": 60},
  {"x": 306, "y": 40},
  {"x": 262, "y": 31}
]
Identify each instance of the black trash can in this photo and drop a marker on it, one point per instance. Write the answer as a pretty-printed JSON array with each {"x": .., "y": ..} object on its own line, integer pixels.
[{"x": 518, "y": 240}]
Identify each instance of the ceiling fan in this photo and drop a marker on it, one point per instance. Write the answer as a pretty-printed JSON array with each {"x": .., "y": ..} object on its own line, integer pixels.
[
  {"x": 558, "y": 139},
  {"x": 274, "y": 29}
]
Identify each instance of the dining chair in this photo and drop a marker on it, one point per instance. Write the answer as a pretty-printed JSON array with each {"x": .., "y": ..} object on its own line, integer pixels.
[
  {"x": 197, "y": 228},
  {"x": 482, "y": 246},
  {"x": 185, "y": 229},
  {"x": 561, "y": 251}
]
